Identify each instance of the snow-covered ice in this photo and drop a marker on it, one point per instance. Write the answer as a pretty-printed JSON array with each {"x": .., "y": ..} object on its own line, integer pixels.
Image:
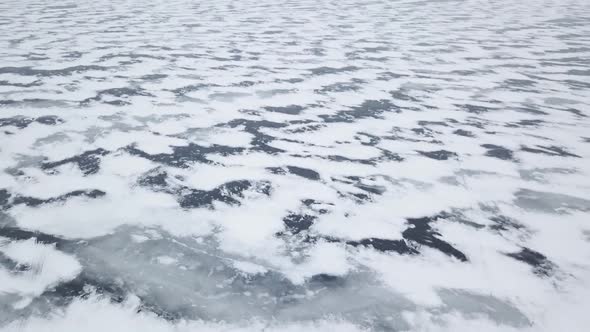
[{"x": 289, "y": 165}]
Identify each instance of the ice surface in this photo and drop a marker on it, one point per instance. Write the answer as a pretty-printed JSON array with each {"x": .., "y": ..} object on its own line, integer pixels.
[{"x": 280, "y": 165}]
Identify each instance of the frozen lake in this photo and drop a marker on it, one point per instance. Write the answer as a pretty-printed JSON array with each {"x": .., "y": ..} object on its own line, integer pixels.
[{"x": 291, "y": 165}]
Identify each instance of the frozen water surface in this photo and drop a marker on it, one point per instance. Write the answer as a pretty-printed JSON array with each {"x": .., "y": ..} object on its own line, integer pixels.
[{"x": 294, "y": 165}]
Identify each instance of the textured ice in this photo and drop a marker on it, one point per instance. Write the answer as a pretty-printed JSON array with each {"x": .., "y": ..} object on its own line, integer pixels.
[{"x": 289, "y": 165}]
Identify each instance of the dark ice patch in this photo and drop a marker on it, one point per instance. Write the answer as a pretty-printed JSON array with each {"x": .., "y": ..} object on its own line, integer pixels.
[
  {"x": 297, "y": 223},
  {"x": 462, "y": 132},
  {"x": 118, "y": 93},
  {"x": 289, "y": 80},
  {"x": 516, "y": 83},
  {"x": 304, "y": 172},
  {"x": 40, "y": 103},
  {"x": 385, "y": 245},
  {"x": 129, "y": 56},
  {"x": 580, "y": 72},
  {"x": 318, "y": 207},
  {"x": 72, "y": 55},
  {"x": 306, "y": 128},
  {"x": 155, "y": 179},
  {"x": 362, "y": 183},
  {"x": 367, "y": 139},
  {"x": 190, "y": 88},
  {"x": 425, "y": 123},
  {"x": 332, "y": 70},
  {"x": 503, "y": 223},
  {"x": 577, "y": 85},
  {"x": 124, "y": 92},
  {"x": 526, "y": 123},
  {"x": 386, "y": 155},
  {"x": 497, "y": 151},
  {"x": 326, "y": 280},
  {"x": 550, "y": 150},
  {"x": 5, "y": 102},
  {"x": 376, "y": 190},
  {"x": 387, "y": 76},
  {"x": 261, "y": 140},
  {"x": 426, "y": 132},
  {"x": 422, "y": 233},
  {"x": 17, "y": 234},
  {"x": 476, "y": 109},
  {"x": 5, "y": 196},
  {"x": 368, "y": 109},
  {"x": 22, "y": 85},
  {"x": 291, "y": 109},
  {"x": 401, "y": 95},
  {"x": 228, "y": 193},
  {"x": 246, "y": 84},
  {"x": 7, "y": 200},
  {"x": 439, "y": 154},
  {"x": 540, "y": 264},
  {"x": 575, "y": 112},
  {"x": 532, "y": 122},
  {"x": 474, "y": 122},
  {"x": 22, "y": 122},
  {"x": 34, "y": 202},
  {"x": 530, "y": 109},
  {"x": 58, "y": 7},
  {"x": 346, "y": 159},
  {"x": 184, "y": 156},
  {"x": 49, "y": 120},
  {"x": 88, "y": 162},
  {"x": 358, "y": 197},
  {"x": 338, "y": 87},
  {"x": 153, "y": 77},
  {"x": 13, "y": 267},
  {"x": 276, "y": 170}
]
